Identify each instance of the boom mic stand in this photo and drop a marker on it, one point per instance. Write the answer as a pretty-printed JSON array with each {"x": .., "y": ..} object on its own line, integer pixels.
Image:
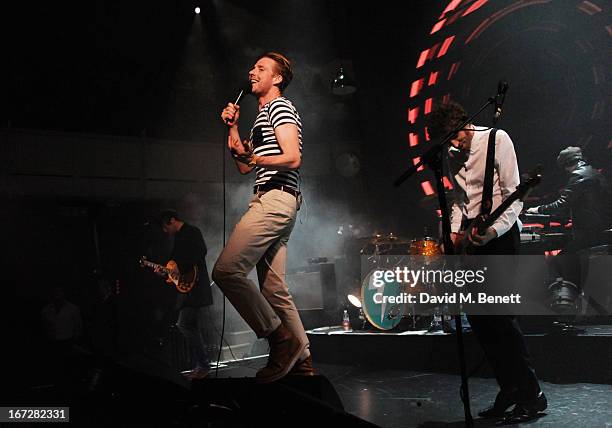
[{"x": 433, "y": 158}]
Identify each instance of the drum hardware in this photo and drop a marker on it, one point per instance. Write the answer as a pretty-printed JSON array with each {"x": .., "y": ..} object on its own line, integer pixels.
[
  {"x": 386, "y": 316},
  {"x": 436, "y": 323},
  {"x": 393, "y": 312},
  {"x": 384, "y": 245},
  {"x": 565, "y": 295},
  {"x": 425, "y": 247}
]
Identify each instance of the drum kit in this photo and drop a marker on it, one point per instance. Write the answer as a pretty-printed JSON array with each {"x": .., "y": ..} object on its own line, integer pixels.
[{"x": 386, "y": 306}]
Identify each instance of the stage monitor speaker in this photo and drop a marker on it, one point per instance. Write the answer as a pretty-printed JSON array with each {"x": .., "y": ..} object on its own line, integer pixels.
[
  {"x": 294, "y": 401},
  {"x": 313, "y": 286},
  {"x": 136, "y": 391},
  {"x": 597, "y": 291}
]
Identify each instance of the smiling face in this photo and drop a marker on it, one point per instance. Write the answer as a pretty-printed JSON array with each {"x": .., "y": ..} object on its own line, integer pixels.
[{"x": 264, "y": 77}]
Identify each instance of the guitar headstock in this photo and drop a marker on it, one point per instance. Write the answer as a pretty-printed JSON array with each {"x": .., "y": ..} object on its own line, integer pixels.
[
  {"x": 143, "y": 261},
  {"x": 527, "y": 185}
]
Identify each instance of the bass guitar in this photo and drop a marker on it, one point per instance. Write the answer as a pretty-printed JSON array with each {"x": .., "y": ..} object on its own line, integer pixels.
[{"x": 480, "y": 224}]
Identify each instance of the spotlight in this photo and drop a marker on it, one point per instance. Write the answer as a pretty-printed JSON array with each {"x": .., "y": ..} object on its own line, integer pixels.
[
  {"x": 355, "y": 301},
  {"x": 197, "y": 10},
  {"x": 342, "y": 84}
]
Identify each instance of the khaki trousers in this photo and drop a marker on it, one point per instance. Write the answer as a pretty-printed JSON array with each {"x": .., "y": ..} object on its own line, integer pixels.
[{"x": 260, "y": 239}]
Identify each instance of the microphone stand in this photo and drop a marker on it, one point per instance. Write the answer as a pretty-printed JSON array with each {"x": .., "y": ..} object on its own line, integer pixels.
[{"x": 433, "y": 158}]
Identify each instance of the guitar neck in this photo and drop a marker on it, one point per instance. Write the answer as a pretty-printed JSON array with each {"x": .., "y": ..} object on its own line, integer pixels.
[
  {"x": 155, "y": 266},
  {"x": 520, "y": 193},
  {"x": 499, "y": 211}
]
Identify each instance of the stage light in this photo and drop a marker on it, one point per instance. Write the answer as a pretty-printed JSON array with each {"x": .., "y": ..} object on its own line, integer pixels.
[
  {"x": 354, "y": 300},
  {"x": 342, "y": 84},
  {"x": 197, "y": 10}
]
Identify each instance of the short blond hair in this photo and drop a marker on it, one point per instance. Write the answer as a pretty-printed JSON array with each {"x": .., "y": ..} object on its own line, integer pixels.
[{"x": 283, "y": 67}]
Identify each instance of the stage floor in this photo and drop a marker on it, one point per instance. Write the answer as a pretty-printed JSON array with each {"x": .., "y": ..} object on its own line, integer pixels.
[
  {"x": 407, "y": 398},
  {"x": 557, "y": 358}
]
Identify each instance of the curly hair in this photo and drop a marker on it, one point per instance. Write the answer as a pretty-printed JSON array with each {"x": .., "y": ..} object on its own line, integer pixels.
[
  {"x": 283, "y": 67},
  {"x": 444, "y": 118}
]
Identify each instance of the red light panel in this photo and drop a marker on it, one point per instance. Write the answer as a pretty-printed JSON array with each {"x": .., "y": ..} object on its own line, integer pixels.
[
  {"x": 422, "y": 58},
  {"x": 589, "y": 7},
  {"x": 417, "y": 160},
  {"x": 475, "y": 6},
  {"x": 451, "y": 6},
  {"x": 445, "y": 46},
  {"x": 433, "y": 78},
  {"x": 413, "y": 113},
  {"x": 453, "y": 70},
  {"x": 427, "y": 188},
  {"x": 437, "y": 27},
  {"x": 416, "y": 87}
]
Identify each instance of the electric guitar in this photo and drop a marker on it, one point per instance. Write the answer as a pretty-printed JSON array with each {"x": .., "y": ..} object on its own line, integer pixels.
[
  {"x": 480, "y": 224},
  {"x": 183, "y": 282}
]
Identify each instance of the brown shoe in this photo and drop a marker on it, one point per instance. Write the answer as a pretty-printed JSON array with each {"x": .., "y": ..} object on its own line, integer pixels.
[
  {"x": 303, "y": 368},
  {"x": 285, "y": 349}
]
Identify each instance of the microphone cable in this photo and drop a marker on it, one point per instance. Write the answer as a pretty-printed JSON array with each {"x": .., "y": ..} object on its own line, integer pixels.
[
  {"x": 243, "y": 89},
  {"x": 223, "y": 191}
]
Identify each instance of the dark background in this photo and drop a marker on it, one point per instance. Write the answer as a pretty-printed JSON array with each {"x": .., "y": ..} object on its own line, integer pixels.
[{"x": 78, "y": 75}]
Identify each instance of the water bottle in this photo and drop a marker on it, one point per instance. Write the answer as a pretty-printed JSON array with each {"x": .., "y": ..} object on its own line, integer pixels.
[{"x": 346, "y": 322}]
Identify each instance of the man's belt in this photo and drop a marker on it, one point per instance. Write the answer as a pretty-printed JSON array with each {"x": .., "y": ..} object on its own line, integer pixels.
[{"x": 263, "y": 188}]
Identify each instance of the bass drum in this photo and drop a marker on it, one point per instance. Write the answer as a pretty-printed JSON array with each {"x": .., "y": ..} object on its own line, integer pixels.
[{"x": 374, "y": 299}]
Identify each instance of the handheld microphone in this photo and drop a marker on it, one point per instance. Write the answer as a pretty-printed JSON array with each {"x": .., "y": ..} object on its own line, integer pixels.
[
  {"x": 502, "y": 87},
  {"x": 244, "y": 89}
]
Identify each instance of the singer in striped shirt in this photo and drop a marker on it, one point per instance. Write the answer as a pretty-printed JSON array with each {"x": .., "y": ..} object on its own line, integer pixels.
[
  {"x": 277, "y": 112},
  {"x": 274, "y": 151}
]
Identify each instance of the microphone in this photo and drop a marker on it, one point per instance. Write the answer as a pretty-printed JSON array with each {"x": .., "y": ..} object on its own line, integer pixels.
[
  {"x": 245, "y": 88},
  {"x": 502, "y": 87}
]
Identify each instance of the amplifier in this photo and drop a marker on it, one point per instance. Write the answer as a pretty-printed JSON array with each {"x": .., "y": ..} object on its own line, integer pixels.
[{"x": 313, "y": 286}]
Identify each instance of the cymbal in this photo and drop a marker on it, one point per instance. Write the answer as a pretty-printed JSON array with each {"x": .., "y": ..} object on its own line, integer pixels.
[
  {"x": 392, "y": 239},
  {"x": 396, "y": 241},
  {"x": 379, "y": 239}
]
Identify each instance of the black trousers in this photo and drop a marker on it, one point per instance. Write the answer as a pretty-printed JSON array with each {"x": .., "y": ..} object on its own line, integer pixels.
[{"x": 501, "y": 337}]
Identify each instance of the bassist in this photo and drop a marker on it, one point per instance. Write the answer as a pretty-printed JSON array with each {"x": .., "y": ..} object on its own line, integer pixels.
[{"x": 478, "y": 156}]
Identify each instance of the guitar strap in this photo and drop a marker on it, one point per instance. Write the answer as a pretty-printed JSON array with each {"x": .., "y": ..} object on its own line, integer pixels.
[{"x": 487, "y": 190}]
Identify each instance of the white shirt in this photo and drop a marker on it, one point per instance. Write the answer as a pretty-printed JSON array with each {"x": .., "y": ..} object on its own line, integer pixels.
[{"x": 469, "y": 180}]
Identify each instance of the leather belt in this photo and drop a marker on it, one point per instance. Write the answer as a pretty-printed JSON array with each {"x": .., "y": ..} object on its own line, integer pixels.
[{"x": 263, "y": 188}]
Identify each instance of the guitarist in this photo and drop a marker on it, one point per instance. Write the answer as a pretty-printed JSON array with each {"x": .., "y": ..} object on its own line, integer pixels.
[
  {"x": 189, "y": 250},
  {"x": 500, "y": 336}
]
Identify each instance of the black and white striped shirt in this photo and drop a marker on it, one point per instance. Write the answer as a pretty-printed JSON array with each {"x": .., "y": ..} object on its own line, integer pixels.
[{"x": 273, "y": 114}]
